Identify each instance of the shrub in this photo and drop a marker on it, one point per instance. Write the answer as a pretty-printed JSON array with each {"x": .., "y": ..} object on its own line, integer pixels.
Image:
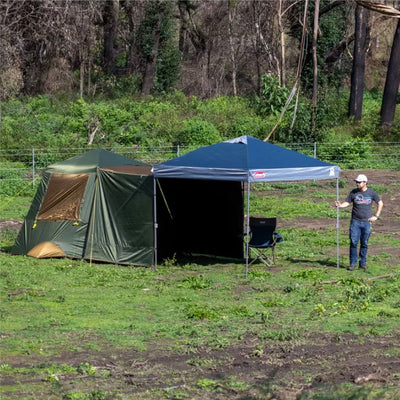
[
  {"x": 197, "y": 132},
  {"x": 13, "y": 180},
  {"x": 351, "y": 152},
  {"x": 273, "y": 96},
  {"x": 222, "y": 112},
  {"x": 271, "y": 103},
  {"x": 251, "y": 125}
]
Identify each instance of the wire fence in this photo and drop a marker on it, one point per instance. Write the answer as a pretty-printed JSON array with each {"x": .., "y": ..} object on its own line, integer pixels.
[{"x": 29, "y": 163}]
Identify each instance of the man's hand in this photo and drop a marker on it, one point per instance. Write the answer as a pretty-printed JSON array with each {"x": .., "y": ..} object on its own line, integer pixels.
[{"x": 341, "y": 205}]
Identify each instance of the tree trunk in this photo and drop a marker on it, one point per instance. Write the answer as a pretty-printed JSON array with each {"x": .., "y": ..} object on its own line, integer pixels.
[
  {"x": 357, "y": 73},
  {"x": 315, "y": 65},
  {"x": 232, "y": 47},
  {"x": 81, "y": 78},
  {"x": 132, "y": 11},
  {"x": 392, "y": 83},
  {"x": 182, "y": 7},
  {"x": 151, "y": 61},
  {"x": 110, "y": 15},
  {"x": 282, "y": 77},
  {"x": 149, "y": 74}
]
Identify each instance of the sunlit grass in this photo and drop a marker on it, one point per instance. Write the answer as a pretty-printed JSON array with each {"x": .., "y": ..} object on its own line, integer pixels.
[
  {"x": 194, "y": 308},
  {"x": 43, "y": 300},
  {"x": 14, "y": 207},
  {"x": 290, "y": 207}
]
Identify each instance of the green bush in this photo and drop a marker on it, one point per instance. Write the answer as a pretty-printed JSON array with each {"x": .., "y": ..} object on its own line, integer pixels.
[
  {"x": 14, "y": 180},
  {"x": 270, "y": 105},
  {"x": 272, "y": 97},
  {"x": 57, "y": 123},
  {"x": 251, "y": 126},
  {"x": 350, "y": 153},
  {"x": 38, "y": 122},
  {"x": 197, "y": 132},
  {"x": 332, "y": 108},
  {"x": 222, "y": 112},
  {"x": 158, "y": 122}
]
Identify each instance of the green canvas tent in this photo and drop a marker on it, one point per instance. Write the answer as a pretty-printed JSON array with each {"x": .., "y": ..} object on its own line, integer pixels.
[{"x": 96, "y": 206}]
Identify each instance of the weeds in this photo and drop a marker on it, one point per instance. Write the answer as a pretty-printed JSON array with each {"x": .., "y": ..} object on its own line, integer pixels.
[
  {"x": 197, "y": 282},
  {"x": 201, "y": 313},
  {"x": 86, "y": 369}
]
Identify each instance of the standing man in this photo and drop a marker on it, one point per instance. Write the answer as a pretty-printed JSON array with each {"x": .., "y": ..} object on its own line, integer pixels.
[{"x": 361, "y": 217}]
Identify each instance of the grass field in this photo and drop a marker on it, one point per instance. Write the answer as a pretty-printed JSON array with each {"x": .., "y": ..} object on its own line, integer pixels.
[{"x": 198, "y": 329}]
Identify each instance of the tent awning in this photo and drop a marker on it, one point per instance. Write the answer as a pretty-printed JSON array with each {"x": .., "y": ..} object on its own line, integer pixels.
[
  {"x": 246, "y": 159},
  {"x": 256, "y": 175}
]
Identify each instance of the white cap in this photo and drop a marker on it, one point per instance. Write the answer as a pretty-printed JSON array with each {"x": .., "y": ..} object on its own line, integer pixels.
[{"x": 361, "y": 178}]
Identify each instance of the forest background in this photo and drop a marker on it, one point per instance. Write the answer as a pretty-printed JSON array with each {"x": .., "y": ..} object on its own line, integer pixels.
[{"x": 184, "y": 72}]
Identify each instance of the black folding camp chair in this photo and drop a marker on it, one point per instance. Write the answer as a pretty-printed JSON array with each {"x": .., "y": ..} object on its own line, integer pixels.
[{"x": 263, "y": 239}]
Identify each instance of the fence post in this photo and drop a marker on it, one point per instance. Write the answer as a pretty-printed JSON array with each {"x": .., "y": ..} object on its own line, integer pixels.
[
  {"x": 33, "y": 167},
  {"x": 177, "y": 150},
  {"x": 315, "y": 149}
]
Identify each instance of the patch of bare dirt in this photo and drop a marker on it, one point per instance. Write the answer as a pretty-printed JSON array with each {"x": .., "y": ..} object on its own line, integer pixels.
[
  {"x": 279, "y": 371},
  {"x": 10, "y": 224}
]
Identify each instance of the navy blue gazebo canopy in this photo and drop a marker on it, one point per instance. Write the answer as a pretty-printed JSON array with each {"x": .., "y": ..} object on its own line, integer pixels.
[{"x": 247, "y": 159}]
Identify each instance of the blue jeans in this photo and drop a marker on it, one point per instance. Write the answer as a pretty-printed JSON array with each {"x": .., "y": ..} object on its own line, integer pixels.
[{"x": 359, "y": 232}]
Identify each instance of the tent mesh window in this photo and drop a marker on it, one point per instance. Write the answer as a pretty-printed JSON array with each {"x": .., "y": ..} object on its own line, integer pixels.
[{"x": 63, "y": 198}]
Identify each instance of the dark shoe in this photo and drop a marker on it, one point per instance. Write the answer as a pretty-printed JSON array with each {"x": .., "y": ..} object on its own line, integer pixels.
[
  {"x": 351, "y": 268},
  {"x": 364, "y": 267}
]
